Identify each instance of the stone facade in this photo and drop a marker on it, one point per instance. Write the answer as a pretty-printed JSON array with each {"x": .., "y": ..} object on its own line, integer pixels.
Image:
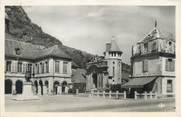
[{"x": 107, "y": 70}]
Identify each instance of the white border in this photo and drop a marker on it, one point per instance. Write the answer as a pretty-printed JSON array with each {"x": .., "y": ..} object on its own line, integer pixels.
[{"x": 176, "y": 3}]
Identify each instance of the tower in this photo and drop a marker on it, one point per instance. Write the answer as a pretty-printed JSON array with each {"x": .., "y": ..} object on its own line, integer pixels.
[{"x": 114, "y": 62}]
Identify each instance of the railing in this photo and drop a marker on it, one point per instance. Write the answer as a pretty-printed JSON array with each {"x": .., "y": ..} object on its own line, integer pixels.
[
  {"x": 152, "y": 95},
  {"x": 145, "y": 95},
  {"x": 103, "y": 94}
]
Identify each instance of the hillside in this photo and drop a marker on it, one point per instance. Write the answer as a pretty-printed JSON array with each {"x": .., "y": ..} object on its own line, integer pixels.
[{"x": 19, "y": 25}]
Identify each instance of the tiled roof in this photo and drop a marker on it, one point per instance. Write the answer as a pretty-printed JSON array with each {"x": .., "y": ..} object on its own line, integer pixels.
[
  {"x": 30, "y": 51},
  {"x": 78, "y": 76},
  {"x": 54, "y": 51}
]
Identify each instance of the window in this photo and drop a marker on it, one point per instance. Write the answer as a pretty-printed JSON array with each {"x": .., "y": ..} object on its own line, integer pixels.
[
  {"x": 29, "y": 68},
  {"x": 24, "y": 68},
  {"x": 170, "y": 65},
  {"x": 65, "y": 64},
  {"x": 169, "y": 86},
  {"x": 47, "y": 66},
  {"x": 154, "y": 47},
  {"x": 40, "y": 68},
  {"x": 145, "y": 66},
  {"x": 170, "y": 43},
  {"x": 57, "y": 70},
  {"x": 8, "y": 66},
  {"x": 146, "y": 47},
  {"x": 114, "y": 54},
  {"x": 113, "y": 70},
  {"x": 19, "y": 66},
  {"x": 36, "y": 68}
]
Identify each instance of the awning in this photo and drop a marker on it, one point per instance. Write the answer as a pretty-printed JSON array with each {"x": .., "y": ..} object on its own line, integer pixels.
[{"x": 138, "y": 82}]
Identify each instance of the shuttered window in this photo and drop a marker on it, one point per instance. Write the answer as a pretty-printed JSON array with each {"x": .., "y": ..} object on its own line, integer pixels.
[
  {"x": 19, "y": 67},
  {"x": 145, "y": 66},
  {"x": 8, "y": 66},
  {"x": 169, "y": 86},
  {"x": 24, "y": 68},
  {"x": 29, "y": 69},
  {"x": 170, "y": 65},
  {"x": 154, "y": 48},
  {"x": 65, "y": 66},
  {"x": 57, "y": 70},
  {"x": 47, "y": 66},
  {"x": 146, "y": 47},
  {"x": 42, "y": 68}
]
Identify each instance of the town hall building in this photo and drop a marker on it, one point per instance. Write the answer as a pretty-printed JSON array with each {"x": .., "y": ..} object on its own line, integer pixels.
[{"x": 49, "y": 68}]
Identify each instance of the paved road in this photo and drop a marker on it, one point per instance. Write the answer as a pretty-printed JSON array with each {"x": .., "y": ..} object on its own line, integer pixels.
[{"x": 68, "y": 103}]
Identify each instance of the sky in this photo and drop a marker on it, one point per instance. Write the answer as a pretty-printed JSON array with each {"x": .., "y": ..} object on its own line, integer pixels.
[{"x": 89, "y": 28}]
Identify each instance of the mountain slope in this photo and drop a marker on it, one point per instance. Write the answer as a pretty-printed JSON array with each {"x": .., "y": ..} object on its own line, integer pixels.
[{"x": 19, "y": 25}]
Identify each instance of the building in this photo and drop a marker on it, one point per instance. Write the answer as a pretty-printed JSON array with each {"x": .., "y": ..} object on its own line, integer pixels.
[
  {"x": 153, "y": 64},
  {"x": 49, "y": 68},
  {"x": 107, "y": 70}
]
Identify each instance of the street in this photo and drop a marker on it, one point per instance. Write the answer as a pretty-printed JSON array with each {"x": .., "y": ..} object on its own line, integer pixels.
[{"x": 70, "y": 103}]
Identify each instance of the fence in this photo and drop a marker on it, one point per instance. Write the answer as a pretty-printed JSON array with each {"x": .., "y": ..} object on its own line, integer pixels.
[
  {"x": 151, "y": 95},
  {"x": 115, "y": 95},
  {"x": 119, "y": 95},
  {"x": 145, "y": 95}
]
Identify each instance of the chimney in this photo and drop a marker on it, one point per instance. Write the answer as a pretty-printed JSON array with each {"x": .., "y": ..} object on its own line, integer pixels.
[{"x": 108, "y": 46}]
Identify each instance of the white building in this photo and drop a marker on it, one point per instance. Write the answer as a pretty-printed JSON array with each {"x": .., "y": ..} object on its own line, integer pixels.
[
  {"x": 153, "y": 64},
  {"x": 49, "y": 68}
]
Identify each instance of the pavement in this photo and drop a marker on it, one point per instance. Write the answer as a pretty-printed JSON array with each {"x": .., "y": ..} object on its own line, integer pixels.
[{"x": 71, "y": 103}]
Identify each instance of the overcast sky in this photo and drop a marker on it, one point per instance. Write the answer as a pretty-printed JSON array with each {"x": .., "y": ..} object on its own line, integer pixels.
[{"x": 88, "y": 28}]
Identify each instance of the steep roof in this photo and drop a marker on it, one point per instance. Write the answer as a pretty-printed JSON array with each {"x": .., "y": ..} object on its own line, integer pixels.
[
  {"x": 155, "y": 34},
  {"x": 78, "y": 76},
  {"x": 114, "y": 47},
  {"x": 30, "y": 51}
]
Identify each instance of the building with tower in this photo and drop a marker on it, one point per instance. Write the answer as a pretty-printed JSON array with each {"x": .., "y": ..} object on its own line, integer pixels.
[
  {"x": 153, "y": 64},
  {"x": 108, "y": 69}
]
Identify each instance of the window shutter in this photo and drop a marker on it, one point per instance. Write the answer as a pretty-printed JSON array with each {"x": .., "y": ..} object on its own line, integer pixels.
[
  {"x": 167, "y": 65},
  {"x": 145, "y": 66}
]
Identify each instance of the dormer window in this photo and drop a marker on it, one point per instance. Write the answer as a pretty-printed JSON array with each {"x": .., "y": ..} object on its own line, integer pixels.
[
  {"x": 17, "y": 51},
  {"x": 170, "y": 43},
  {"x": 154, "y": 47},
  {"x": 146, "y": 47}
]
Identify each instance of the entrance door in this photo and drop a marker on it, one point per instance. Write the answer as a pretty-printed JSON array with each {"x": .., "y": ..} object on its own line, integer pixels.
[
  {"x": 64, "y": 84},
  {"x": 41, "y": 86},
  {"x": 8, "y": 86},
  {"x": 19, "y": 87},
  {"x": 55, "y": 87},
  {"x": 36, "y": 87},
  {"x": 94, "y": 76}
]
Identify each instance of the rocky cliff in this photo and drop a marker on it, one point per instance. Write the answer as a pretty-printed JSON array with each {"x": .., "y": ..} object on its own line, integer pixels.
[{"x": 19, "y": 25}]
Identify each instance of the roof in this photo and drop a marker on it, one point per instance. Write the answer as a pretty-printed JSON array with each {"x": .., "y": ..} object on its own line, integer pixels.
[
  {"x": 138, "y": 82},
  {"x": 30, "y": 51},
  {"x": 54, "y": 51},
  {"x": 26, "y": 49},
  {"x": 114, "y": 47},
  {"x": 154, "y": 34},
  {"x": 78, "y": 76}
]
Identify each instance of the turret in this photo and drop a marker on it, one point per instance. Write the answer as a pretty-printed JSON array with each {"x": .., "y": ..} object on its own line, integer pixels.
[{"x": 113, "y": 58}]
